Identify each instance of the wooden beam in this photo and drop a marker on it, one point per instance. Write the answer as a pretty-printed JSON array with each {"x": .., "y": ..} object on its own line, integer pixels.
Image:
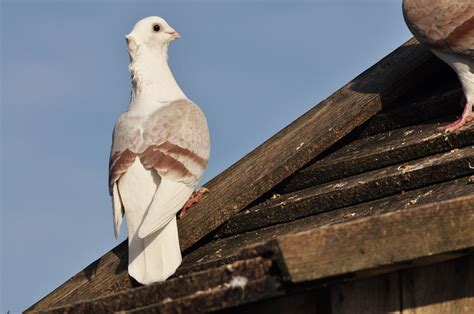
[
  {"x": 228, "y": 248},
  {"x": 380, "y": 240},
  {"x": 353, "y": 190},
  {"x": 271, "y": 162}
]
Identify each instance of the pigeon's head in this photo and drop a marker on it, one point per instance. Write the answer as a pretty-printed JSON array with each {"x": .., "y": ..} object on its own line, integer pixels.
[{"x": 152, "y": 32}]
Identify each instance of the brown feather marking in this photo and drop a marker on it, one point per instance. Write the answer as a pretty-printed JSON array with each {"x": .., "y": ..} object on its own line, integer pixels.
[
  {"x": 156, "y": 157},
  {"x": 119, "y": 163},
  {"x": 153, "y": 157},
  {"x": 175, "y": 149}
]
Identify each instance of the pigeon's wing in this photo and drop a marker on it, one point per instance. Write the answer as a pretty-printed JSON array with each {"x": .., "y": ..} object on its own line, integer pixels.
[
  {"x": 125, "y": 140},
  {"x": 177, "y": 142},
  {"x": 446, "y": 25},
  {"x": 174, "y": 142},
  {"x": 180, "y": 160}
]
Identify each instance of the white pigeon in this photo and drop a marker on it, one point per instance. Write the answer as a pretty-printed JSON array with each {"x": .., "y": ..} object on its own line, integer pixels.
[
  {"x": 447, "y": 28},
  {"x": 159, "y": 152}
]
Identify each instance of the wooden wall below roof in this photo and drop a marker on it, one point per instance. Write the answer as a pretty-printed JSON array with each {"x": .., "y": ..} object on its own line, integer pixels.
[{"x": 441, "y": 288}]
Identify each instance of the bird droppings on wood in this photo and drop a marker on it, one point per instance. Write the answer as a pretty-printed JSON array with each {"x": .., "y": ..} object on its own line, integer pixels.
[
  {"x": 274, "y": 196},
  {"x": 238, "y": 282}
]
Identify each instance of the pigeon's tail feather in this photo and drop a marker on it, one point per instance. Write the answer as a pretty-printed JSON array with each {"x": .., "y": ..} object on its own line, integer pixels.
[{"x": 155, "y": 257}]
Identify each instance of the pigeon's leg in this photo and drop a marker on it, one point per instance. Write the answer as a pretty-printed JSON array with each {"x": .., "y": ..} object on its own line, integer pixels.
[
  {"x": 196, "y": 197},
  {"x": 467, "y": 116}
]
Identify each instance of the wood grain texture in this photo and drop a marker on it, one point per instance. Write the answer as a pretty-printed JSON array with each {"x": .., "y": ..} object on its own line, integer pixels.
[
  {"x": 273, "y": 161},
  {"x": 375, "y": 295},
  {"x": 380, "y": 240},
  {"x": 356, "y": 189},
  {"x": 218, "y": 298},
  {"x": 440, "y": 288},
  {"x": 220, "y": 251},
  {"x": 379, "y": 151},
  {"x": 211, "y": 280}
]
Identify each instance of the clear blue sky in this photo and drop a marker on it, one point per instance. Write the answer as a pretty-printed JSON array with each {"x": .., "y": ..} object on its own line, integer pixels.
[{"x": 252, "y": 66}]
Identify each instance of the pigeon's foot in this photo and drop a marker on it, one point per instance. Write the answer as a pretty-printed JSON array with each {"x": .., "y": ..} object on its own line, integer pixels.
[
  {"x": 196, "y": 197},
  {"x": 466, "y": 117}
]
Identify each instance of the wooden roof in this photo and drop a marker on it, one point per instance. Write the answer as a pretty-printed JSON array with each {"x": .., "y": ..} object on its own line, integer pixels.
[{"x": 360, "y": 184}]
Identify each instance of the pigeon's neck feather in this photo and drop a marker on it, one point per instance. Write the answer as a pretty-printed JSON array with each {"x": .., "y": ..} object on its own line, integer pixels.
[{"x": 153, "y": 83}]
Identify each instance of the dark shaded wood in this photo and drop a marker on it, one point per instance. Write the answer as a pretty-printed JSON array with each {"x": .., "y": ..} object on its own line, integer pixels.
[
  {"x": 379, "y": 151},
  {"x": 229, "y": 248},
  {"x": 273, "y": 161},
  {"x": 220, "y": 297},
  {"x": 440, "y": 288},
  {"x": 379, "y": 240},
  {"x": 256, "y": 269},
  {"x": 375, "y": 295},
  {"x": 412, "y": 111},
  {"x": 315, "y": 301},
  {"x": 353, "y": 190},
  {"x": 439, "y": 106}
]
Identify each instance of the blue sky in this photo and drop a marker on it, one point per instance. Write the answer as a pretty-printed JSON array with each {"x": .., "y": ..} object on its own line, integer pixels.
[{"x": 252, "y": 66}]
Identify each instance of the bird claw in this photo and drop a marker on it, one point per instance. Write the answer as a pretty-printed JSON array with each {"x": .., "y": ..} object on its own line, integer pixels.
[
  {"x": 466, "y": 117},
  {"x": 456, "y": 125},
  {"x": 196, "y": 197}
]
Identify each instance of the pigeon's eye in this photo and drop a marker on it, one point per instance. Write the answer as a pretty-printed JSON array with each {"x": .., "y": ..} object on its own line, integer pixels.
[{"x": 156, "y": 28}]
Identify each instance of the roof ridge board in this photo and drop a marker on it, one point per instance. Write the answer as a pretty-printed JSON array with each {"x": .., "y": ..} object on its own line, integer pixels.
[
  {"x": 356, "y": 189},
  {"x": 227, "y": 246},
  {"x": 378, "y": 151}
]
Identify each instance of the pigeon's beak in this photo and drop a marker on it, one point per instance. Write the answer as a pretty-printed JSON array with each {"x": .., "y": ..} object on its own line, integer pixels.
[{"x": 175, "y": 35}]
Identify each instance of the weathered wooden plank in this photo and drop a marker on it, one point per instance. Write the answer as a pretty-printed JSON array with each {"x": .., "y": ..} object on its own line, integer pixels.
[
  {"x": 440, "y": 288},
  {"x": 280, "y": 156},
  {"x": 379, "y": 151},
  {"x": 220, "y": 297},
  {"x": 229, "y": 248},
  {"x": 411, "y": 111},
  {"x": 379, "y": 240},
  {"x": 356, "y": 189},
  {"x": 176, "y": 288},
  {"x": 375, "y": 295}
]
